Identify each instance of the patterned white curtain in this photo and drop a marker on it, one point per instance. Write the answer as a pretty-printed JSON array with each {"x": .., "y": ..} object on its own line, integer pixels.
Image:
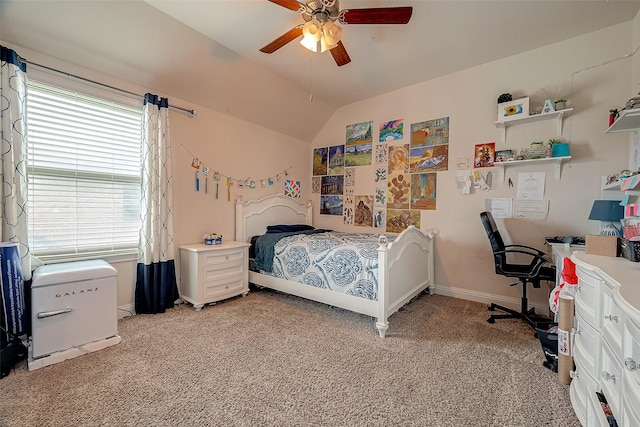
[
  {"x": 156, "y": 288},
  {"x": 13, "y": 132}
]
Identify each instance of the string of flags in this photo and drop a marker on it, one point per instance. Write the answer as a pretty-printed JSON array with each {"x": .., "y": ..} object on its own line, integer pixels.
[{"x": 203, "y": 172}]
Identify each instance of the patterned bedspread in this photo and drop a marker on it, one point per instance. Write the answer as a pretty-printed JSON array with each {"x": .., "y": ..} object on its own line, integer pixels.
[{"x": 341, "y": 262}]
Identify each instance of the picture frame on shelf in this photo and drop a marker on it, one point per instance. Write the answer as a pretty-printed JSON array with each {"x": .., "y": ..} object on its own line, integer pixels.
[
  {"x": 505, "y": 156},
  {"x": 512, "y": 110}
]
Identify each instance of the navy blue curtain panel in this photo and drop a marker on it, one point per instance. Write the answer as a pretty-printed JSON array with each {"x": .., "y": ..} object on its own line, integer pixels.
[
  {"x": 150, "y": 98},
  {"x": 10, "y": 56},
  {"x": 156, "y": 287}
]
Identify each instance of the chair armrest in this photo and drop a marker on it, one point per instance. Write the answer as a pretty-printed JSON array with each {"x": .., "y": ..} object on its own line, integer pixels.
[
  {"x": 538, "y": 260},
  {"x": 537, "y": 251},
  {"x": 536, "y": 264}
]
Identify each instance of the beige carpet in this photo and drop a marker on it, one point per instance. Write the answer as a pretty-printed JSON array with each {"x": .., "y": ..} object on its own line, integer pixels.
[{"x": 275, "y": 360}]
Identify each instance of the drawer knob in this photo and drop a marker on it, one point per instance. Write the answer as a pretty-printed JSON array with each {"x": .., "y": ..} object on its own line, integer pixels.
[
  {"x": 607, "y": 376},
  {"x": 630, "y": 364},
  {"x": 573, "y": 374},
  {"x": 612, "y": 318}
]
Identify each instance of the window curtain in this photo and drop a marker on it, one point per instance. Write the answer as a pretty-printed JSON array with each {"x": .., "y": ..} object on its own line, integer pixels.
[
  {"x": 13, "y": 132},
  {"x": 156, "y": 288}
]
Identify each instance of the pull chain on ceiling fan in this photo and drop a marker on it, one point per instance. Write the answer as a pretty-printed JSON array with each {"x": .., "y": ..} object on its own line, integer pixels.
[{"x": 320, "y": 31}]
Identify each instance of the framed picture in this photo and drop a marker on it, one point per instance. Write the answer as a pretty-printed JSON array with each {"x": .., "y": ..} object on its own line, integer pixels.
[
  {"x": 485, "y": 155},
  {"x": 511, "y": 110},
  {"x": 505, "y": 155}
]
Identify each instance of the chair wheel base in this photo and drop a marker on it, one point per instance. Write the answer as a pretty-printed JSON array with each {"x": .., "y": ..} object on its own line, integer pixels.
[{"x": 491, "y": 319}]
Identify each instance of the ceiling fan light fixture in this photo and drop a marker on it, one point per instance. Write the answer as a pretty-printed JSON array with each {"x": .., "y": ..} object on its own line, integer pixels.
[
  {"x": 331, "y": 34},
  {"x": 312, "y": 32}
]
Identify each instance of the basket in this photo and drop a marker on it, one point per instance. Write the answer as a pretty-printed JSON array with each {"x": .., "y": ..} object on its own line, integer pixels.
[
  {"x": 629, "y": 231},
  {"x": 630, "y": 249}
]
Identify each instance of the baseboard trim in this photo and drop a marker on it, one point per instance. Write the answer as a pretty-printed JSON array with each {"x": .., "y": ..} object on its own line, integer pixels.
[
  {"x": 487, "y": 298},
  {"x": 125, "y": 311}
]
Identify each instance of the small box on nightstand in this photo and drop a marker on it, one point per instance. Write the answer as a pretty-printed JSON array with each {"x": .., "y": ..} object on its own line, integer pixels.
[{"x": 602, "y": 245}]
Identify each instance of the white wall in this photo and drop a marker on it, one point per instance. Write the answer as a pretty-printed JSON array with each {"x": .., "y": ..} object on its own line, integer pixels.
[
  {"x": 570, "y": 69},
  {"x": 464, "y": 265},
  {"x": 231, "y": 146}
]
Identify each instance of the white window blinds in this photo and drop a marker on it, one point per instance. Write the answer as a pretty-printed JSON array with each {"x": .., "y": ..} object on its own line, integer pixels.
[{"x": 83, "y": 167}]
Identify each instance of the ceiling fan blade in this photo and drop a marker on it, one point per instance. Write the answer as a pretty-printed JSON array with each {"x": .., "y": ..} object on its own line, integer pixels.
[
  {"x": 290, "y": 35},
  {"x": 378, "y": 15},
  {"x": 289, "y": 4},
  {"x": 340, "y": 54}
]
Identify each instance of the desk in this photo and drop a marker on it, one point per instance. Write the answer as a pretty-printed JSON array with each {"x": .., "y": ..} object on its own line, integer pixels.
[{"x": 559, "y": 251}]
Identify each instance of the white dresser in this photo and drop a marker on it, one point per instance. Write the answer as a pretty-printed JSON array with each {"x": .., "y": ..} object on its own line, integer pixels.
[
  {"x": 210, "y": 273},
  {"x": 606, "y": 340}
]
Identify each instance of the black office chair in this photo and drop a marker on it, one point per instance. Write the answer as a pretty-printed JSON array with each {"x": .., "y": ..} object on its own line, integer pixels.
[{"x": 532, "y": 273}]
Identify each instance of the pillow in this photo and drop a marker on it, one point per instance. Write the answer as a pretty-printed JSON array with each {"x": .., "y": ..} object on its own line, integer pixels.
[{"x": 287, "y": 228}]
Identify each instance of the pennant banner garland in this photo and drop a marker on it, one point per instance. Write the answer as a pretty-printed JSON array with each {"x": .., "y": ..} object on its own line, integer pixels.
[{"x": 202, "y": 173}]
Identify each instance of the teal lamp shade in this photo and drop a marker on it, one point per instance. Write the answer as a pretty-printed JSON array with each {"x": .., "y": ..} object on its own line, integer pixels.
[{"x": 609, "y": 211}]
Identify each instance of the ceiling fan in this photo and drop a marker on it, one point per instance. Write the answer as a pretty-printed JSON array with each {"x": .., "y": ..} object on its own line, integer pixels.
[{"x": 320, "y": 30}]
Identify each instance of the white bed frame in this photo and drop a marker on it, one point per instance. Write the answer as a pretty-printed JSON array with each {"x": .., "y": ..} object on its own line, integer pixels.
[{"x": 405, "y": 266}]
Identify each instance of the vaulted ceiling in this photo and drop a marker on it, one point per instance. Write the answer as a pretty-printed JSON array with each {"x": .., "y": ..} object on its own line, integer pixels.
[{"x": 207, "y": 51}]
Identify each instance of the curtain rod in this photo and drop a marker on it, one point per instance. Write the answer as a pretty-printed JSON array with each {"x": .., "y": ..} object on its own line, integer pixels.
[{"x": 175, "y": 107}]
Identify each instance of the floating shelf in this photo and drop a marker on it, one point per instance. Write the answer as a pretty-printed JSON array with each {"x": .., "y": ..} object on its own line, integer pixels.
[
  {"x": 557, "y": 160},
  {"x": 628, "y": 120},
  {"x": 557, "y": 115},
  {"x": 617, "y": 184}
]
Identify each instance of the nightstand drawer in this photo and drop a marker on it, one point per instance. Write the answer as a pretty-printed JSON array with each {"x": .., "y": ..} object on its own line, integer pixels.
[
  {"x": 220, "y": 260},
  {"x": 213, "y": 272},
  {"x": 223, "y": 286}
]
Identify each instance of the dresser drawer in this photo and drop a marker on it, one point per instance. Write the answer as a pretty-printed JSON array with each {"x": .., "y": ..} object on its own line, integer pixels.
[
  {"x": 631, "y": 357},
  {"x": 578, "y": 396},
  {"x": 587, "y": 378},
  {"x": 612, "y": 321},
  {"x": 587, "y": 300},
  {"x": 630, "y": 401},
  {"x": 595, "y": 413},
  {"x": 584, "y": 400},
  {"x": 586, "y": 346},
  {"x": 611, "y": 378}
]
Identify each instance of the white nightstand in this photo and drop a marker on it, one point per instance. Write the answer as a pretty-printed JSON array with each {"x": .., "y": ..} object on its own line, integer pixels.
[{"x": 210, "y": 273}]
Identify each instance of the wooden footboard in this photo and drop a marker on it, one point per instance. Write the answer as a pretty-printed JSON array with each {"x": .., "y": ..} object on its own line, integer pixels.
[{"x": 405, "y": 266}]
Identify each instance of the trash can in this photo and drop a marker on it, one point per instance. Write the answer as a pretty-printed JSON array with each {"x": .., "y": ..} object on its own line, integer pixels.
[
  {"x": 13, "y": 314},
  {"x": 549, "y": 341}
]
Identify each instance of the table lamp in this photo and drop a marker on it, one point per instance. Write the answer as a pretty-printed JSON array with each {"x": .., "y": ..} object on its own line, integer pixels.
[{"x": 609, "y": 211}]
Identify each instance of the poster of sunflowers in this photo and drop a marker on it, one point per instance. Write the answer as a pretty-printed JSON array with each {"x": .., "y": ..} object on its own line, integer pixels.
[{"x": 511, "y": 110}]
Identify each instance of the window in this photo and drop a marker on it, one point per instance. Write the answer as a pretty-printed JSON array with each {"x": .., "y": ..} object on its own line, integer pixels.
[{"x": 83, "y": 169}]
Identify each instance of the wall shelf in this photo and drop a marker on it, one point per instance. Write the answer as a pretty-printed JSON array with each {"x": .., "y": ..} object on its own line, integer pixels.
[
  {"x": 616, "y": 185},
  {"x": 557, "y": 115},
  {"x": 627, "y": 121},
  {"x": 557, "y": 160}
]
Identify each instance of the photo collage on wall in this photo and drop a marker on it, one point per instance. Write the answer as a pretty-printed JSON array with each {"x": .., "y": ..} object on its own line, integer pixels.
[{"x": 405, "y": 174}]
